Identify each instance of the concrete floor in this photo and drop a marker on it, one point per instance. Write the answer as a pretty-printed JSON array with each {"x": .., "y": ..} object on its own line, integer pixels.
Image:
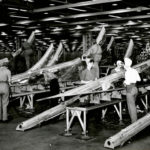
[{"x": 48, "y": 136}]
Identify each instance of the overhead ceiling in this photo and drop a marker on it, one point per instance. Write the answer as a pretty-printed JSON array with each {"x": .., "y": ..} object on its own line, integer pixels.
[{"x": 69, "y": 19}]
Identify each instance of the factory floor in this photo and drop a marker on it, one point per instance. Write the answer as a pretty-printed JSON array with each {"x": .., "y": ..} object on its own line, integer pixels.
[{"x": 50, "y": 135}]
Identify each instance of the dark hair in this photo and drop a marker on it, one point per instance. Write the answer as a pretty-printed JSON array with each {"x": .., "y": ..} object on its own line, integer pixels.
[{"x": 91, "y": 61}]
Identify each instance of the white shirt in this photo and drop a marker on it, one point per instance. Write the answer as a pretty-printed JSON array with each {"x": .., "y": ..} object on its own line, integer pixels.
[{"x": 131, "y": 76}]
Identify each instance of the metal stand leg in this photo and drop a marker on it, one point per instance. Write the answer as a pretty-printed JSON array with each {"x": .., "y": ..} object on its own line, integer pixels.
[
  {"x": 30, "y": 100},
  {"x": 68, "y": 123},
  {"x": 103, "y": 113},
  {"x": 145, "y": 103},
  {"x": 119, "y": 111},
  {"x": 22, "y": 99}
]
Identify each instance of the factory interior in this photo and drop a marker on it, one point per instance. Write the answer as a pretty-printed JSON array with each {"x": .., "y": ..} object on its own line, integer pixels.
[{"x": 74, "y": 74}]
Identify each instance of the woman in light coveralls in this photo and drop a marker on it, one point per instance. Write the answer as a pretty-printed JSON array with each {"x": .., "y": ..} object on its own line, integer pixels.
[{"x": 5, "y": 77}]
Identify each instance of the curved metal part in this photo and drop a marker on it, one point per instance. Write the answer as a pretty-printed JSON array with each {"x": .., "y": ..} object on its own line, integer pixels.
[
  {"x": 46, "y": 115},
  {"x": 129, "y": 49},
  {"x": 125, "y": 134},
  {"x": 31, "y": 37},
  {"x": 43, "y": 60},
  {"x": 17, "y": 52},
  {"x": 103, "y": 83},
  {"x": 60, "y": 66},
  {"x": 56, "y": 56},
  {"x": 25, "y": 76},
  {"x": 110, "y": 43},
  {"x": 100, "y": 35}
]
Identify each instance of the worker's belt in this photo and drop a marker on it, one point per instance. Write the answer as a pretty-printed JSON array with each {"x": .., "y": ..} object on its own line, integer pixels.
[
  {"x": 132, "y": 84},
  {"x": 129, "y": 87}
]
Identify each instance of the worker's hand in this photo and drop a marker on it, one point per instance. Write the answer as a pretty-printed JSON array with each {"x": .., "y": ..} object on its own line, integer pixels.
[
  {"x": 84, "y": 82},
  {"x": 124, "y": 84}
]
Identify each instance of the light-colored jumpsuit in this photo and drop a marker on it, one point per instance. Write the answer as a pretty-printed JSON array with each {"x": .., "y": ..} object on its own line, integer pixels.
[{"x": 5, "y": 76}]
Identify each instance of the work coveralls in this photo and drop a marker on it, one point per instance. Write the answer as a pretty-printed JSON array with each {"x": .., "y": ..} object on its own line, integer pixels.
[{"x": 5, "y": 75}]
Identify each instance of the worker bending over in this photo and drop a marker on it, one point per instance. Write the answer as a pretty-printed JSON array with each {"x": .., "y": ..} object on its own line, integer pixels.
[{"x": 90, "y": 72}]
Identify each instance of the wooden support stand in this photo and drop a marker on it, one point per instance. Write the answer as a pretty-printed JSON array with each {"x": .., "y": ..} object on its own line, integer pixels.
[
  {"x": 27, "y": 96},
  {"x": 80, "y": 112}
]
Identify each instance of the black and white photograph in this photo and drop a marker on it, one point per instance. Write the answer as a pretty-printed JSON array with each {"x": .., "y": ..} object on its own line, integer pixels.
[{"x": 74, "y": 74}]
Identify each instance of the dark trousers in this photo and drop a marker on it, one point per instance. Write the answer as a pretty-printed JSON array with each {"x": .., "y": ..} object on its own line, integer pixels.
[{"x": 131, "y": 98}]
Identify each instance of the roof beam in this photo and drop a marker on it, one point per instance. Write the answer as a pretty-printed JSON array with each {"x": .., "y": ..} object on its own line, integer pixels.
[
  {"x": 80, "y": 4},
  {"x": 111, "y": 19},
  {"x": 118, "y": 11}
]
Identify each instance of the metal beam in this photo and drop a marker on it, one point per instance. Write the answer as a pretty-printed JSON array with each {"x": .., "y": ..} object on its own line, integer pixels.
[
  {"x": 80, "y": 4},
  {"x": 118, "y": 11},
  {"x": 115, "y": 20},
  {"x": 110, "y": 20}
]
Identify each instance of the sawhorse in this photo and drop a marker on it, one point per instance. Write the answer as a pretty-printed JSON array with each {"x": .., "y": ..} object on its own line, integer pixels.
[
  {"x": 78, "y": 111},
  {"x": 144, "y": 100},
  {"x": 29, "y": 96}
]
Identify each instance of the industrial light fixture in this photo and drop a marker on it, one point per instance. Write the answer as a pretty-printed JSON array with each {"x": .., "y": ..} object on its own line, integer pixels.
[
  {"x": 128, "y": 8},
  {"x": 114, "y": 4},
  {"x": 79, "y": 27},
  {"x": 130, "y": 22},
  {"x": 56, "y": 32},
  {"x": 32, "y": 27},
  {"x": 118, "y": 37},
  {"x": 134, "y": 36},
  {"x": 11, "y": 8},
  {"x": 50, "y": 19},
  {"x": 51, "y": 4},
  {"x": 61, "y": 21},
  {"x": 82, "y": 10},
  {"x": 31, "y": 1},
  {"x": 37, "y": 30},
  {"x": 20, "y": 32},
  {"x": 17, "y": 26},
  {"x": 23, "y": 10},
  {"x": 3, "y": 33},
  {"x": 114, "y": 16},
  {"x": 24, "y": 22},
  {"x": 15, "y": 16},
  {"x": 2, "y": 24},
  {"x": 118, "y": 28},
  {"x": 57, "y": 29}
]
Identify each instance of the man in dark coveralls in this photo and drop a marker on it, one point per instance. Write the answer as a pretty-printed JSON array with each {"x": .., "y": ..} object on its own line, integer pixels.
[{"x": 5, "y": 77}]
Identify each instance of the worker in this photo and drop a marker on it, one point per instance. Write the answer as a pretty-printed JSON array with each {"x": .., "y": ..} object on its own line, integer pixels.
[
  {"x": 131, "y": 78},
  {"x": 5, "y": 78},
  {"x": 94, "y": 52},
  {"x": 119, "y": 67},
  {"x": 89, "y": 73},
  {"x": 52, "y": 80}
]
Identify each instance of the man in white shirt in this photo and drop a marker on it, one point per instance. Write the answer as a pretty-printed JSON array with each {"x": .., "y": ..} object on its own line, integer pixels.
[{"x": 131, "y": 77}]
